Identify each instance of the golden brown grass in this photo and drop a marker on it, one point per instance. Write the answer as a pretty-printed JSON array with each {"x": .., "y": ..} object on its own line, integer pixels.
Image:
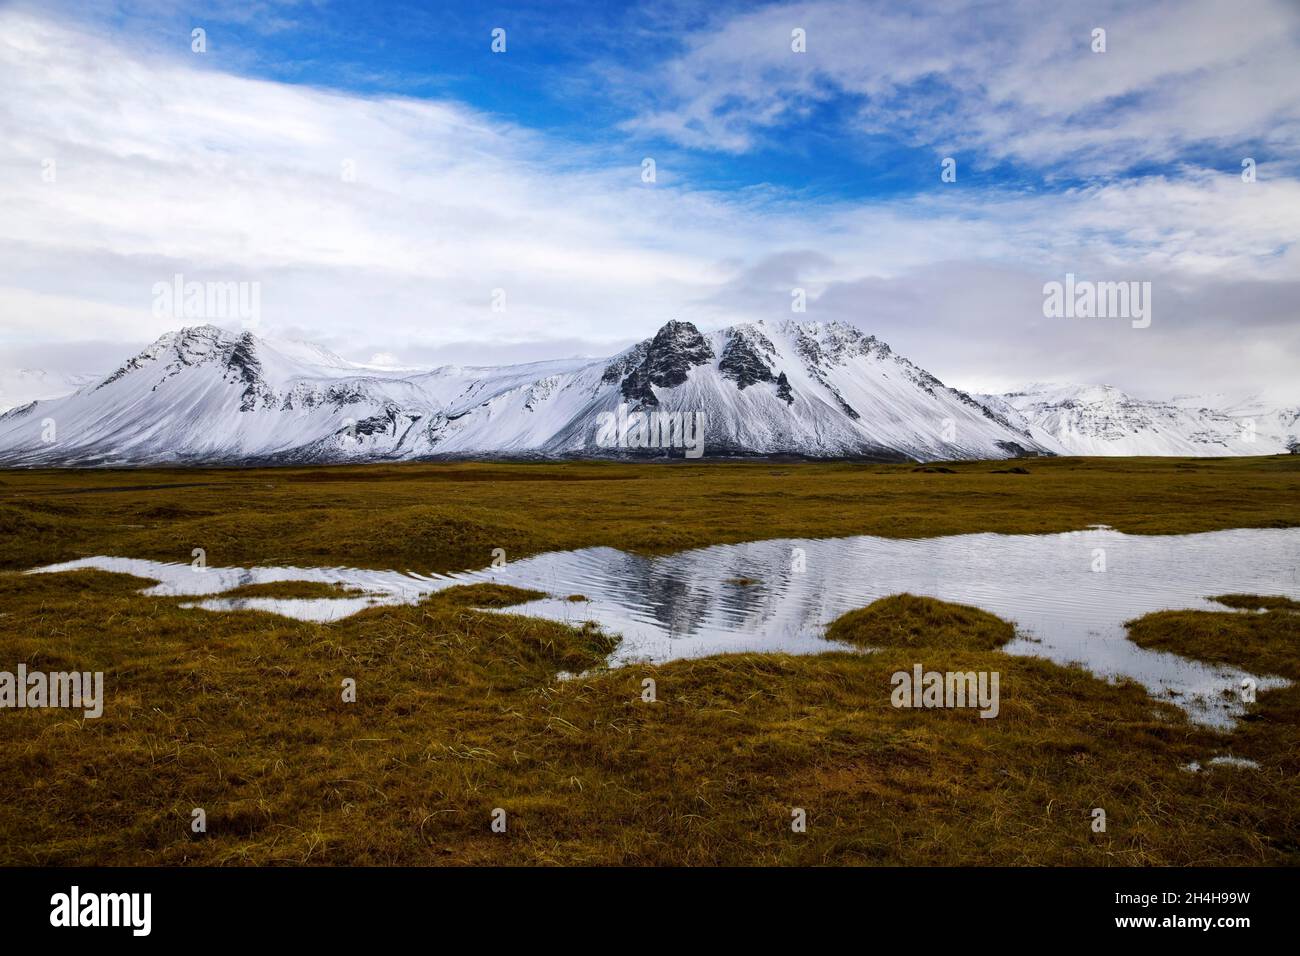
[
  {"x": 1261, "y": 643},
  {"x": 448, "y": 517},
  {"x": 1255, "y": 602},
  {"x": 460, "y": 710},
  {"x": 908, "y": 621},
  {"x": 293, "y": 589}
]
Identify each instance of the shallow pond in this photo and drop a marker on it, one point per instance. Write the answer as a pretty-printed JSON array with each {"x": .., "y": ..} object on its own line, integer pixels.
[{"x": 1067, "y": 594}]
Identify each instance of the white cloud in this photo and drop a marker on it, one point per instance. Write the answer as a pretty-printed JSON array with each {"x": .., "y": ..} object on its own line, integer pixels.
[
  {"x": 1015, "y": 80},
  {"x": 167, "y": 166}
]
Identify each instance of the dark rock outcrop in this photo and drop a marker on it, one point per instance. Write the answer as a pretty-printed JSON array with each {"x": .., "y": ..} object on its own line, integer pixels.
[
  {"x": 675, "y": 350},
  {"x": 783, "y": 391},
  {"x": 745, "y": 357}
]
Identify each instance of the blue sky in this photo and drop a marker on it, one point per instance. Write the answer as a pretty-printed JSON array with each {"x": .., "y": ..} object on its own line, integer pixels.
[
  {"x": 583, "y": 71},
  {"x": 566, "y": 71},
  {"x": 521, "y": 171}
]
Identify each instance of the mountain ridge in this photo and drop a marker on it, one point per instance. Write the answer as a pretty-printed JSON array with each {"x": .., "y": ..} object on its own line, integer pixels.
[{"x": 203, "y": 395}]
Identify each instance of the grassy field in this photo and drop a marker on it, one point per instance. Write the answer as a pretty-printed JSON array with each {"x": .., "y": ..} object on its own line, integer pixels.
[
  {"x": 450, "y": 517},
  {"x": 459, "y": 713}
]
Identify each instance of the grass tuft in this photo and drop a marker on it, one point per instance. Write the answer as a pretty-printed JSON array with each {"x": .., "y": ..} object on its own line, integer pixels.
[
  {"x": 905, "y": 620},
  {"x": 1255, "y": 602}
]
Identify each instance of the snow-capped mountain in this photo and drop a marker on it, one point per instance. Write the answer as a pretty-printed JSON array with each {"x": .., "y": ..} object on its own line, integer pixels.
[
  {"x": 202, "y": 395},
  {"x": 1102, "y": 420}
]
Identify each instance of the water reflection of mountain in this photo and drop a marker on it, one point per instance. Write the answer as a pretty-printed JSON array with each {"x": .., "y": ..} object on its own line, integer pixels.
[{"x": 1068, "y": 594}]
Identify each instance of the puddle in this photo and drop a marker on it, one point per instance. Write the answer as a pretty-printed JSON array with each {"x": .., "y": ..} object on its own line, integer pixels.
[
  {"x": 1224, "y": 760},
  {"x": 753, "y": 597}
]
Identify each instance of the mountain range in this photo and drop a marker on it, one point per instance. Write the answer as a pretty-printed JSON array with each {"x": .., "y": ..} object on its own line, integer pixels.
[
  {"x": 19, "y": 386},
  {"x": 203, "y": 395}
]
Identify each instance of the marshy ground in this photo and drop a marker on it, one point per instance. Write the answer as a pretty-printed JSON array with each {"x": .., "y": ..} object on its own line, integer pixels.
[{"x": 460, "y": 712}]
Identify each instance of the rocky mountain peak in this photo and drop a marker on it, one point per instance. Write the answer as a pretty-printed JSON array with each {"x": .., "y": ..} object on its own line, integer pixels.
[
  {"x": 746, "y": 358},
  {"x": 236, "y": 354},
  {"x": 675, "y": 349}
]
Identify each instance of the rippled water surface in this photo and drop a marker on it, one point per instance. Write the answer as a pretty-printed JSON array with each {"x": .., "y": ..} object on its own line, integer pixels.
[{"x": 779, "y": 595}]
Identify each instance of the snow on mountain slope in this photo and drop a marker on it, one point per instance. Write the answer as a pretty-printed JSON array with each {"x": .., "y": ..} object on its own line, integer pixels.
[
  {"x": 1102, "y": 420},
  {"x": 201, "y": 395},
  {"x": 818, "y": 389}
]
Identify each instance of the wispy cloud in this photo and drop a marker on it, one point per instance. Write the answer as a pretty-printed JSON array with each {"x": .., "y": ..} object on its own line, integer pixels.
[
  {"x": 168, "y": 165},
  {"x": 1009, "y": 81}
]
